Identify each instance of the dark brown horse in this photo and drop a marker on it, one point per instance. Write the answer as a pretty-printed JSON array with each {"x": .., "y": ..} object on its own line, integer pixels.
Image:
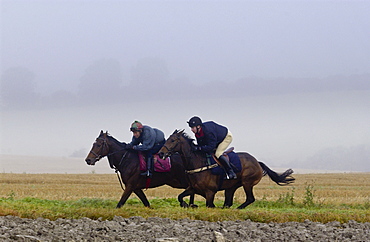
[
  {"x": 204, "y": 183},
  {"x": 126, "y": 161}
]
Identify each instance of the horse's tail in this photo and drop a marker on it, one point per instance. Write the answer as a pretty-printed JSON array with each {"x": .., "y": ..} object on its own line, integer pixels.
[{"x": 280, "y": 179}]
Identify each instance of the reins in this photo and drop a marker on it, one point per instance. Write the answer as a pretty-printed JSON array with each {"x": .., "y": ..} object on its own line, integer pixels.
[
  {"x": 116, "y": 169},
  {"x": 98, "y": 157},
  {"x": 119, "y": 179},
  {"x": 204, "y": 168}
]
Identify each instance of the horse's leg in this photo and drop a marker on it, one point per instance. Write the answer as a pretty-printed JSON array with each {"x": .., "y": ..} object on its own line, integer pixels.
[
  {"x": 126, "y": 194},
  {"x": 142, "y": 197},
  {"x": 191, "y": 201},
  {"x": 248, "y": 189},
  {"x": 188, "y": 192},
  {"x": 229, "y": 197},
  {"x": 210, "y": 197}
]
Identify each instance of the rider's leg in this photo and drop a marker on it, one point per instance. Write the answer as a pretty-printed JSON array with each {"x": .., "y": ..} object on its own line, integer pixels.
[
  {"x": 149, "y": 165},
  {"x": 150, "y": 158},
  {"x": 226, "y": 164},
  {"x": 224, "y": 161},
  {"x": 224, "y": 144}
]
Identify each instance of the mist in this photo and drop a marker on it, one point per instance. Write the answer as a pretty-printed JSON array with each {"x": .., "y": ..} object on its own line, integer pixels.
[{"x": 290, "y": 79}]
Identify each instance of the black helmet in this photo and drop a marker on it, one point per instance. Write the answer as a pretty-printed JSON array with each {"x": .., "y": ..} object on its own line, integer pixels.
[{"x": 194, "y": 121}]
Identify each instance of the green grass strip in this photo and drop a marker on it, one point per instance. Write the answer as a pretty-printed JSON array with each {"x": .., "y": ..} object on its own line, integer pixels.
[{"x": 260, "y": 211}]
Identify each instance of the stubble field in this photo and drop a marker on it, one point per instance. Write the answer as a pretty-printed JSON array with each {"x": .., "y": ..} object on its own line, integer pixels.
[
  {"x": 336, "y": 189},
  {"x": 81, "y": 207},
  {"x": 324, "y": 197}
]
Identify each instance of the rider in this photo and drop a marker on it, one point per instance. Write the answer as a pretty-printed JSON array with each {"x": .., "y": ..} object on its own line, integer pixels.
[
  {"x": 210, "y": 137},
  {"x": 148, "y": 140}
]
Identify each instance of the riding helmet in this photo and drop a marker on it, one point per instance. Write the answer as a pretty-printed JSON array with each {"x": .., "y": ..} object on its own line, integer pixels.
[
  {"x": 194, "y": 121},
  {"x": 136, "y": 126}
]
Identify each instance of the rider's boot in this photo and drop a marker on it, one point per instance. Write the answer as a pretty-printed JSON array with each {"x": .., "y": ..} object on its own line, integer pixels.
[
  {"x": 230, "y": 174},
  {"x": 149, "y": 168}
]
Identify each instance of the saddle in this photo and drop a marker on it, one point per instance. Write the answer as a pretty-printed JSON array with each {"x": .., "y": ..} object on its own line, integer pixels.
[
  {"x": 159, "y": 164},
  {"x": 226, "y": 152},
  {"x": 231, "y": 156},
  {"x": 229, "y": 150}
]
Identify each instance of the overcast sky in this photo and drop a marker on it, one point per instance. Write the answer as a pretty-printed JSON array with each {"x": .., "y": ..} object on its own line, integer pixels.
[{"x": 198, "y": 42}]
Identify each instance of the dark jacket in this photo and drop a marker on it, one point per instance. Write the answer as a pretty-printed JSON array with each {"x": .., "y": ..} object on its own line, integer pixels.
[
  {"x": 211, "y": 136},
  {"x": 148, "y": 139}
]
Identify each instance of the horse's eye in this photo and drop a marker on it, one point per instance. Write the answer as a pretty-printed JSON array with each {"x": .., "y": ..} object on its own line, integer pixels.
[{"x": 98, "y": 146}]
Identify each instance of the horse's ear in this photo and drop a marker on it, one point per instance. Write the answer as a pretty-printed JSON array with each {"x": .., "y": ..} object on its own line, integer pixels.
[
  {"x": 174, "y": 132},
  {"x": 181, "y": 131},
  {"x": 101, "y": 132}
]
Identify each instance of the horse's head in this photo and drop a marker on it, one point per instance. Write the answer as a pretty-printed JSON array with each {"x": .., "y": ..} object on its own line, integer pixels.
[
  {"x": 173, "y": 144},
  {"x": 99, "y": 149}
]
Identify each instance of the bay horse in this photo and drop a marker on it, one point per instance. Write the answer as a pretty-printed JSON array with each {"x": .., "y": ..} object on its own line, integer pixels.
[
  {"x": 206, "y": 184},
  {"x": 127, "y": 162}
]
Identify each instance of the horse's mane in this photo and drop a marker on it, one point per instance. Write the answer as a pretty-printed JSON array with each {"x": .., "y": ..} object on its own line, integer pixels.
[
  {"x": 119, "y": 143},
  {"x": 186, "y": 136}
]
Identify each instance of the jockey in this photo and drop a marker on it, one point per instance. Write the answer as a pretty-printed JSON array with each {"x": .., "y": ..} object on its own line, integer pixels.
[
  {"x": 148, "y": 140},
  {"x": 213, "y": 137}
]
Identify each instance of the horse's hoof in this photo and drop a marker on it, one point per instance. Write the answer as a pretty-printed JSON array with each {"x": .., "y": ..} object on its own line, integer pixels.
[
  {"x": 184, "y": 205},
  {"x": 194, "y": 206}
]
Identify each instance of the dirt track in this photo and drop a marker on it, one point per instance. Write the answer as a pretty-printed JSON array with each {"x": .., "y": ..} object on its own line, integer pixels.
[{"x": 162, "y": 229}]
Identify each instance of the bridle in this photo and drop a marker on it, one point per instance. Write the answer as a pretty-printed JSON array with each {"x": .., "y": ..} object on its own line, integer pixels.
[
  {"x": 204, "y": 168},
  {"x": 98, "y": 156},
  {"x": 170, "y": 151}
]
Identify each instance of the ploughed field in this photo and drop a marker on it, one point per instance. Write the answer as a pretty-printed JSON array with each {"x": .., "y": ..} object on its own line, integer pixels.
[
  {"x": 81, "y": 207},
  {"x": 164, "y": 229}
]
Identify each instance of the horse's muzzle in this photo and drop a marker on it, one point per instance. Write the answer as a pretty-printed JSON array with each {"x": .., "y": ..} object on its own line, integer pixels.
[
  {"x": 90, "y": 161},
  {"x": 162, "y": 155}
]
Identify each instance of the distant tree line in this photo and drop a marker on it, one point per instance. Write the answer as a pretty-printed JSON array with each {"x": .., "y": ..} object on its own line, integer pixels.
[{"x": 102, "y": 83}]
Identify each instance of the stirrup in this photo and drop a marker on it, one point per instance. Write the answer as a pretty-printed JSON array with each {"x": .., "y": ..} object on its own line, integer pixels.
[
  {"x": 146, "y": 173},
  {"x": 231, "y": 175}
]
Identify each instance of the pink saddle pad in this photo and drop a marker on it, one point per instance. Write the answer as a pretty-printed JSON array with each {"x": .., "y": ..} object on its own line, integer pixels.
[{"x": 159, "y": 164}]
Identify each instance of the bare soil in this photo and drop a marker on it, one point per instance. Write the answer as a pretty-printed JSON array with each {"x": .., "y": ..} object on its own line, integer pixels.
[{"x": 162, "y": 229}]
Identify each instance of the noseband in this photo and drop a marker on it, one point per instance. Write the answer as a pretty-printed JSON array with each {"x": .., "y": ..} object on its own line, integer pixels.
[{"x": 169, "y": 151}]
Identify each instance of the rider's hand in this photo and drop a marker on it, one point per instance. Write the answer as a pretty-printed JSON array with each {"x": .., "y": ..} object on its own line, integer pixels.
[
  {"x": 196, "y": 147},
  {"x": 129, "y": 147}
]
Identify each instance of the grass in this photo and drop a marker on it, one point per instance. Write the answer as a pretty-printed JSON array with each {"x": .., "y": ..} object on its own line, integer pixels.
[{"x": 316, "y": 197}]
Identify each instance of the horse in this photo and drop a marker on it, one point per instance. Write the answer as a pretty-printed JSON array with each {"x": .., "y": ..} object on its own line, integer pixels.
[
  {"x": 127, "y": 162},
  {"x": 206, "y": 184}
]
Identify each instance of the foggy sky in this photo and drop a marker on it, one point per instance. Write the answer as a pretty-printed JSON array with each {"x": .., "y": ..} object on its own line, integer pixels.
[
  {"x": 291, "y": 79},
  {"x": 200, "y": 41}
]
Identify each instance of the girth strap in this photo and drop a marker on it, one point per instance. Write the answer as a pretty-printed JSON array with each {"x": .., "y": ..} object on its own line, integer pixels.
[{"x": 204, "y": 168}]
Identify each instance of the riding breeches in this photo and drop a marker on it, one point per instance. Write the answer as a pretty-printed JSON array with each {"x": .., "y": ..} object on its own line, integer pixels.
[
  {"x": 155, "y": 149},
  {"x": 224, "y": 144}
]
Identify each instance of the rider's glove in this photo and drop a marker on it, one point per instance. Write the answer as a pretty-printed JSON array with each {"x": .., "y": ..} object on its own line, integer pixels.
[{"x": 196, "y": 148}]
